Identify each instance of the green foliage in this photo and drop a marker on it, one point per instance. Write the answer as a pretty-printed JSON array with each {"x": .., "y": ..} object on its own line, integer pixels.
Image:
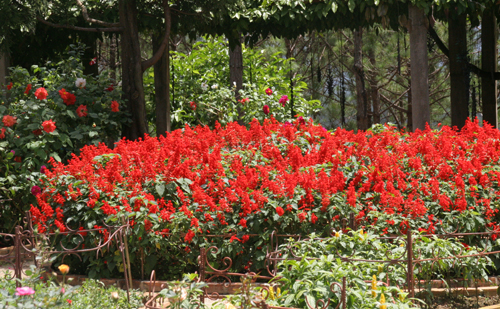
[
  {"x": 202, "y": 76},
  {"x": 184, "y": 294},
  {"x": 322, "y": 265}
]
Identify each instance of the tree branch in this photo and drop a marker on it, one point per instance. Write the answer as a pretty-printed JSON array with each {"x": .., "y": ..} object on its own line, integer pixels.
[
  {"x": 95, "y": 21},
  {"x": 113, "y": 29},
  {"x": 474, "y": 69},
  {"x": 157, "y": 55}
]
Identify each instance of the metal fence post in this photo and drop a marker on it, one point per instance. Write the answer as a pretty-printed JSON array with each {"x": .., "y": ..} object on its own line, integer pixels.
[
  {"x": 201, "y": 263},
  {"x": 352, "y": 222},
  {"x": 409, "y": 252},
  {"x": 343, "y": 295},
  {"x": 17, "y": 253}
]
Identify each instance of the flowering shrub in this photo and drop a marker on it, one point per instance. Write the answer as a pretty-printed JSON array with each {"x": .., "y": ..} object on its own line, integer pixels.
[
  {"x": 45, "y": 114},
  {"x": 295, "y": 178}
]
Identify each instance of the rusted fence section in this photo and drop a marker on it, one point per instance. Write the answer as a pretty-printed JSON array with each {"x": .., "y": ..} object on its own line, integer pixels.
[
  {"x": 158, "y": 301},
  {"x": 28, "y": 245},
  {"x": 410, "y": 260}
]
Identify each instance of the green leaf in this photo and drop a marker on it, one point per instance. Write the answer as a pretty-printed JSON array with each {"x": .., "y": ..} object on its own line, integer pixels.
[
  {"x": 334, "y": 7},
  {"x": 352, "y": 5},
  {"x": 71, "y": 114},
  {"x": 93, "y": 133},
  {"x": 55, "y": 156},
  {"x": 160, "y": 189}
]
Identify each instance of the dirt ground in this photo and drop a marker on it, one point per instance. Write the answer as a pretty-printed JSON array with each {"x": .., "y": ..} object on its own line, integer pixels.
[{"x": 461, "y": 302}]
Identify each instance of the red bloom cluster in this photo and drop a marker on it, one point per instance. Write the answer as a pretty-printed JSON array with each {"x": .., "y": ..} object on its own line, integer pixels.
[{"x": 295, "y": 177}]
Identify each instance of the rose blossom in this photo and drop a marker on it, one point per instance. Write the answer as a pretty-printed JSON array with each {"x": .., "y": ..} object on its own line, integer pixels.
[
  {"x": 81, "y": 111},
  {"x": 269, "y": 91},
  {"x": 24, "y": 291},
  {"x": 41, "y": 93},
  {"x": 265, "y": 109},
  {"x": 28, "y": 88},
  {"x": 80, "y": 82},
  {"x": 283, "y": 100},
  {"x": 36, "y": 190},
  {"x": 114, "y": 106},
  {"x": 9, "y": 120},
  {"x": 49, "y": 126}
]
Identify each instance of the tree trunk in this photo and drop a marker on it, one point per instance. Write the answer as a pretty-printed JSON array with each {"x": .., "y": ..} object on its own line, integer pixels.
[
  {"x": 409, "y": 122},
  {"x": 133, "y": 89},
  {"x": 90, "y": 53},
  {"x": 362, "y": 100},
  {"x": 421, "y": 114},
  {"x": 236, "y": 73},
  {"x": 4, "y": 68},
  {"x": 162, "y": 88},
  {"x": 489, "y": 35},
  {"x": 113, "y": 49},
  {"x": 374, "y": 87},
  {"x": 459, "y": 79}
]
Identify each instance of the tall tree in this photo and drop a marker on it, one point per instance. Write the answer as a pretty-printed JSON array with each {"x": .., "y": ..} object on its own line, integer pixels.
[
  {"x": 362, "y": 119},
  {"x": 459, "y": 77},
  {"x": 421, "y": 114},
  {"x": 236, "y": 70},
  {"x": 489, "y": 37},
  {"x": 162, "y": 88}
]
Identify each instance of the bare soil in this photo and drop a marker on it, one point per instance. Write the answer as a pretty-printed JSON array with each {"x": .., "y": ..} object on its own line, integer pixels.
[{"x": 462, "y": 302}]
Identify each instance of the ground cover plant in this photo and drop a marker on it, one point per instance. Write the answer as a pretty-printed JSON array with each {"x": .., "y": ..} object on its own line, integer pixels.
[
  {"x": 36, "y": 293},
  {"x": 294, "y": 178}
]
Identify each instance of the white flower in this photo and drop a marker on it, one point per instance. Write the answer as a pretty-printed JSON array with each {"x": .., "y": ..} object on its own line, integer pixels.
[
  {"x": 234, "y": 84},
  {"x": 215, "y": 86},
  {"x": 204, "y": 86},
  {"x": 80, "y": 82},
  {"x": 119, "y": 83}
]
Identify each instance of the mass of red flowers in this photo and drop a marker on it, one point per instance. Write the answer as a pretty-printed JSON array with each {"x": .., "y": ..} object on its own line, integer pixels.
[{"x": 294, "y": 178}]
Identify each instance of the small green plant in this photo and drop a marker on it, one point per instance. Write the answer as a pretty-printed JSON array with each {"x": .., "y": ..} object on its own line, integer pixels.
[
  {"x": 184, "y": 294},
  {"x": 248, "y": 296}
]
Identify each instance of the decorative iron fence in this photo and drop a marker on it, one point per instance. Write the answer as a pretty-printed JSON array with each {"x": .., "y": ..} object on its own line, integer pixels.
[{"x": 29, "y": 245}]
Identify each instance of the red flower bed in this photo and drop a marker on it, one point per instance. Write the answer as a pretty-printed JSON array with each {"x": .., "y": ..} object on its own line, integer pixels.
[{"x": 291, "y": 178}]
